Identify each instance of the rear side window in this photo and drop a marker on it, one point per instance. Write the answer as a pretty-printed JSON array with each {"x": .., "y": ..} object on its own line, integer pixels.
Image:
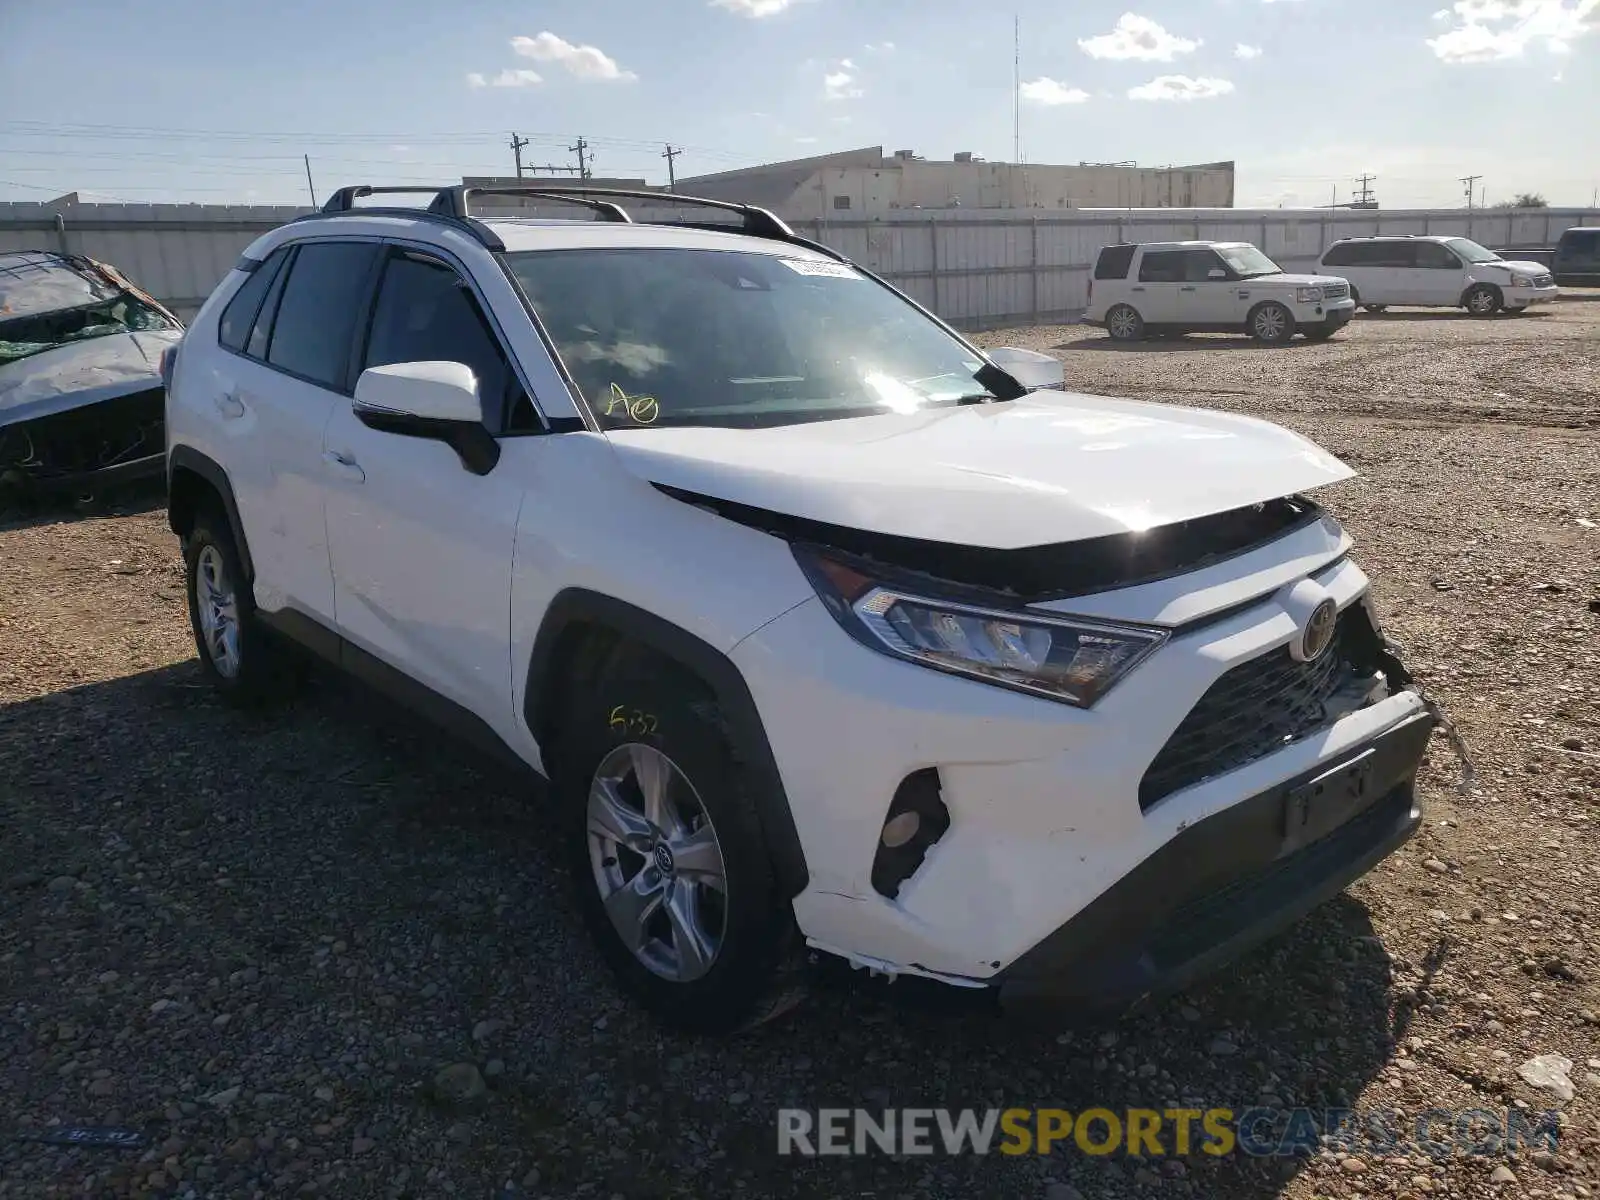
[
  {"x": 317, "y": 312},
  {"x": 425, "y": 312},
  {"x": 1341, "y": 255},
  {"x": 1585, "y": 240},
  {"x": 240, "y": 315},
  {"x": 1114, "y": 262},
  {"x": 1162, "y": 266}
]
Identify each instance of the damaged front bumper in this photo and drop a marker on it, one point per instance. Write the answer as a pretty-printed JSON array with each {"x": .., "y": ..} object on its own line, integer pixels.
[{"x": 92, "y": 446}]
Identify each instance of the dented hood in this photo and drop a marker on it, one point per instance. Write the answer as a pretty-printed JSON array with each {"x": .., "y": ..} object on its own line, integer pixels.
[
  {"x": 1052, "y": 467},
  {"x": 78, "y": 373}
]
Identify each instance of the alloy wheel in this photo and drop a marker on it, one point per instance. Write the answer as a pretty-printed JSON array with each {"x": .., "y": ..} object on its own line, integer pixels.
[
  {"x": 1270, "y": 324},
  {"x": 218, "y": 609},
  {"x": 657, "y": 862},
  {"x": 1123, "y": 322}
]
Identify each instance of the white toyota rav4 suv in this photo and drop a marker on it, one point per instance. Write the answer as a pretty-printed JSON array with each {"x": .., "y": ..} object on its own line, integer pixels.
[
  {"x": 1452, "y": 272},
  {"x": 1140, "y": 291},
  {"x": 831, "y": 634}
]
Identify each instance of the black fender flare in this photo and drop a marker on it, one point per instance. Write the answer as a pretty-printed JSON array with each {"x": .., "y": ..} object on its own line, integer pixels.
[
  {"x": 580, "y": 606},
  {"x": 187, "y": 458}
]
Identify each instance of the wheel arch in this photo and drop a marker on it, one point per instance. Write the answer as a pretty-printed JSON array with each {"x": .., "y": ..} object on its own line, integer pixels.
[
  {"x": 579, "y": 620},
  {"x": 193, "y": 481}
]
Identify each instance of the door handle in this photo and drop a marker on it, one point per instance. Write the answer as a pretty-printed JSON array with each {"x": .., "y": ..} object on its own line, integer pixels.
[
  {"x": 1186, "y": 289},
  {"x": 229, "y": 405},
  {"x": 344, "y": 465},
  {"x": 1136, "y": 289}
]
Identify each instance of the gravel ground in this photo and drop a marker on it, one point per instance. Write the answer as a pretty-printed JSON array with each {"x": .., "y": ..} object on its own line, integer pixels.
[{"x": 260, "y": 939}]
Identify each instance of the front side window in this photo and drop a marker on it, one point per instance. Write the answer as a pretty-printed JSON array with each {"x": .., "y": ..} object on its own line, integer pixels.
[
  {"x": 1248, "y": 262},
  {"x": 1341, "y": 255},
  {"x": 1198, "y": 265},
  {"x": 735, "y": 338},
  {"x": 1434, "y": 257},
  {"x": 1469, "y": 250},
  {"x": 317, "y": 311},
  {"x": 425, "y": 312}
]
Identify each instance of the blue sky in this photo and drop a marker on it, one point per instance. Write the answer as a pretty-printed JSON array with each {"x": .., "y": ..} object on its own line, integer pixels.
[{"x": 215, "y": 101}]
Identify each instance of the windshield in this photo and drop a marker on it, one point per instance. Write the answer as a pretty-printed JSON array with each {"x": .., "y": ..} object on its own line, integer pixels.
[
  {"x": 1471, "y": 251},
  {"x": 23, "y": 337},
  {"x": 721, "y": 337},
  {"x": 1248, "y": 261}
]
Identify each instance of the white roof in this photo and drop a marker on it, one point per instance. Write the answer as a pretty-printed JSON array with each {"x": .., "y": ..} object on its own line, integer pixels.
[{"x": 1187, "y": 245}]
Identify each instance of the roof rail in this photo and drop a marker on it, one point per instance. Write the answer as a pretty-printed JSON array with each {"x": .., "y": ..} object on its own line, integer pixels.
[
  {"x": 758, "y": 222},
  {"x": 345, "y": 198},
  {"x": 452, "y": 201}
]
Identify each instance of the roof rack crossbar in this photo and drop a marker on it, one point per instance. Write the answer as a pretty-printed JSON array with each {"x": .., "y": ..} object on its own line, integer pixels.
[
  {"x": 344, "y": 200},
  {"x": 758, "y": 222},
  {"x": 453, "y": 201}
]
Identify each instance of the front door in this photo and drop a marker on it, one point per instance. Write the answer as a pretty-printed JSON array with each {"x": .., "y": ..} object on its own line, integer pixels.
[
  {"x": 422, "y": 547},
  {"x": 1210, "y": 294},
  {"x": 1440, "y": 275}
]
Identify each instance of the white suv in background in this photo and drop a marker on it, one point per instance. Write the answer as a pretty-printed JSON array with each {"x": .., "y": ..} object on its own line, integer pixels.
[
  {"x": 1437, "y": 272},
  {"x": 828, "y": 631},
  {"x": 1140, "y": 291}
]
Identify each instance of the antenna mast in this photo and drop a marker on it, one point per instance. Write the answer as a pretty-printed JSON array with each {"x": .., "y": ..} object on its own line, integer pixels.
[{"x": 1016, "y": 89}]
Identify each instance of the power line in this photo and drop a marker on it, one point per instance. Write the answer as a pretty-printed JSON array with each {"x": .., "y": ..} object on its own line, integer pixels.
[{"x": 580, "y": 150}]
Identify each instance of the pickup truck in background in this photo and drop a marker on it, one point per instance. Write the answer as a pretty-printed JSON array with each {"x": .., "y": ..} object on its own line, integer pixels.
[{"x": 1574, "y": 260}]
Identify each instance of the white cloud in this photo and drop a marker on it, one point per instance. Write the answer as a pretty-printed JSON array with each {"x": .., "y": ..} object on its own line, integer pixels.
[
  {"x": 1180, "y": 87},
  {"x": 755, "y": 9},
  {"x": 1137, "y": 37},
  {"x": 842, "y": 83},
  {"x": 806, "y": 141},
  {"x": 880, "y": 47},
  {"x": 1487, "y": 30},
  {"x": 1243, "y": 51},
  {"x": 586, "y": 62},
  {"x": 401, "y": 149},
  {"x": 506, "y": 78},
  {"x": 1052, "y": 92}
]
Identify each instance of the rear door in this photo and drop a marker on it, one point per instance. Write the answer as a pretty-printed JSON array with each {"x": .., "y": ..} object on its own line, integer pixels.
[
  {"x": 1389, "y": 270},
  {"x": 1155, "y": 294},
  {"x": 283, "y": 380},
  {"x": 422, "y": 548}
]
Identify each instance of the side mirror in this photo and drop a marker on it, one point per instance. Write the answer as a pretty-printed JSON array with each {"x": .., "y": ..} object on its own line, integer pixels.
[
  {"x": 437, "y": 400},
  {"x": 1216, "y": 273},
  {"x": 1030, "y": 368}
]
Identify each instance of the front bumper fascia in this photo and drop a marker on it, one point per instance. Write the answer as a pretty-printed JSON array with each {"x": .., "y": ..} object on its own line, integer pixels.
[{"x": 1220, "y": 887}]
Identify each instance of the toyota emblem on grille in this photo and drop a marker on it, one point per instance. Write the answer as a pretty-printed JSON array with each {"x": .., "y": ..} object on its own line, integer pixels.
[{"x": 1318, "y": 633}]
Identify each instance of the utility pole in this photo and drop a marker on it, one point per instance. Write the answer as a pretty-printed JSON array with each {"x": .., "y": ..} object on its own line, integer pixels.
[
  {"x": 310, "y": 187},
  {"x": 1363, "y": 196},
  {"x": 1470, "y": 181},
  {"x": 516, "y": 149},
  {"x": 581, "y": 149},
  {"x": 672, "y": 176},
  {"x": 1016, "y": 89}
]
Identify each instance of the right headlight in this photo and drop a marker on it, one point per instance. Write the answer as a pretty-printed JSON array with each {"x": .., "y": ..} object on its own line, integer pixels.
[{"x": 1069, "y": 659}]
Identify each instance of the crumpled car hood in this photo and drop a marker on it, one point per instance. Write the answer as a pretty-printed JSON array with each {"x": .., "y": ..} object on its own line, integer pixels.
[
  {"x": 1051, "y": 467},
  {"x": 81, "y": 373}
]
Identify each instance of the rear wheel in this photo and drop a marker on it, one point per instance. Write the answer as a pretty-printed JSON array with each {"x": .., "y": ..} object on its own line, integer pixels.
[
  {"x": 1483, "y": 300},
  {"x": 666, "y": 854},
  {"x": 1376, "y": 308},
  {"x": 1124, "y": 323},
  {"x": 1271, "y": 323}
]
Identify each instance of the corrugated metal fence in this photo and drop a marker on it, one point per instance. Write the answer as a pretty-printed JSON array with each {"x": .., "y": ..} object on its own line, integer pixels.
[{"x": 976, "y": 268}]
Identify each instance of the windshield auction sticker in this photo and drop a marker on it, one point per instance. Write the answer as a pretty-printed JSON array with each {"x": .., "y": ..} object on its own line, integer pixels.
[{"x": 827, "y": 270}]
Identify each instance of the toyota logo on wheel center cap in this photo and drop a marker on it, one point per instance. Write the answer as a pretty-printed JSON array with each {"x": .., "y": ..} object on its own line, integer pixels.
[
  {"x": 1318, "y": 633},
  {"x": 663, "y": 857}
]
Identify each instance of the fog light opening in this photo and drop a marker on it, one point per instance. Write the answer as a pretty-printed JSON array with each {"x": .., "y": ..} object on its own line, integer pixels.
[{"x": 917, "y": 818}]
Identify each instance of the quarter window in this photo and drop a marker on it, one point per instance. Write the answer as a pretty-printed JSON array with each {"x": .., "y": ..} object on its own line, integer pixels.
[
  {"x": 234, "y": 327},
  {"x": 317, "y": 311},
  {"x": 1114, "y": 262}
]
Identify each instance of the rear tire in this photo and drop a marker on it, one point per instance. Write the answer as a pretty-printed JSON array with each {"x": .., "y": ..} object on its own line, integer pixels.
[
  {"x": 696, "y": 933},
  {"x": 1270, "y": 323},
  {"x": 238, "y": 655},
  {"x": 1124, "y": 323},
  {"x": 1376, "y": 308},
  {"x": 1483, "y": 300}
]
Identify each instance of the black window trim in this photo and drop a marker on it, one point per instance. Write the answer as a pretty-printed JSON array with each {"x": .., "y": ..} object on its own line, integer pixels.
[
  {"x": 294, "y": 247},
  {"x": 496, "y": 330},
  {"x": 287, "y": 250}
]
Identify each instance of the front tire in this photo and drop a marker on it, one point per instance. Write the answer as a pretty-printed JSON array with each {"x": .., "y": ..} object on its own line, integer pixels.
[
  {"x": 1124, "y": 323},
  {"x": 1376, "y": 308},
  {"x": 1319, "y": 333},
  {"x": 1271, "y": 323},
  {"x": 1483, "y": 300},
  {"x": 665, "y": 851},
  {"x": 237, "y": 654}
]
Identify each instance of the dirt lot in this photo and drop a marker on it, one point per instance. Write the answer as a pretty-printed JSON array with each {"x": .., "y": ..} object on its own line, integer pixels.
[{"x": 258, "y": 939}]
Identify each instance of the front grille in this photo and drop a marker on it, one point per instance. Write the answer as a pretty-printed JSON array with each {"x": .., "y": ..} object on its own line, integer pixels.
[
  {"x": 1256, "y": 708},
  {"x": 1543, "y": 280},
  {"x": 84, "y": 440},
  {"x": 1335, "y": 291}
]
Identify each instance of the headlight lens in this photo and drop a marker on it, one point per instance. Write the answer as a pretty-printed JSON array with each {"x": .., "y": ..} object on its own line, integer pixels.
[
  {"x": 1308, "y": 295},
  {"x": 1069, "y": 659},
  {"x": 1521, "y": 281}
]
